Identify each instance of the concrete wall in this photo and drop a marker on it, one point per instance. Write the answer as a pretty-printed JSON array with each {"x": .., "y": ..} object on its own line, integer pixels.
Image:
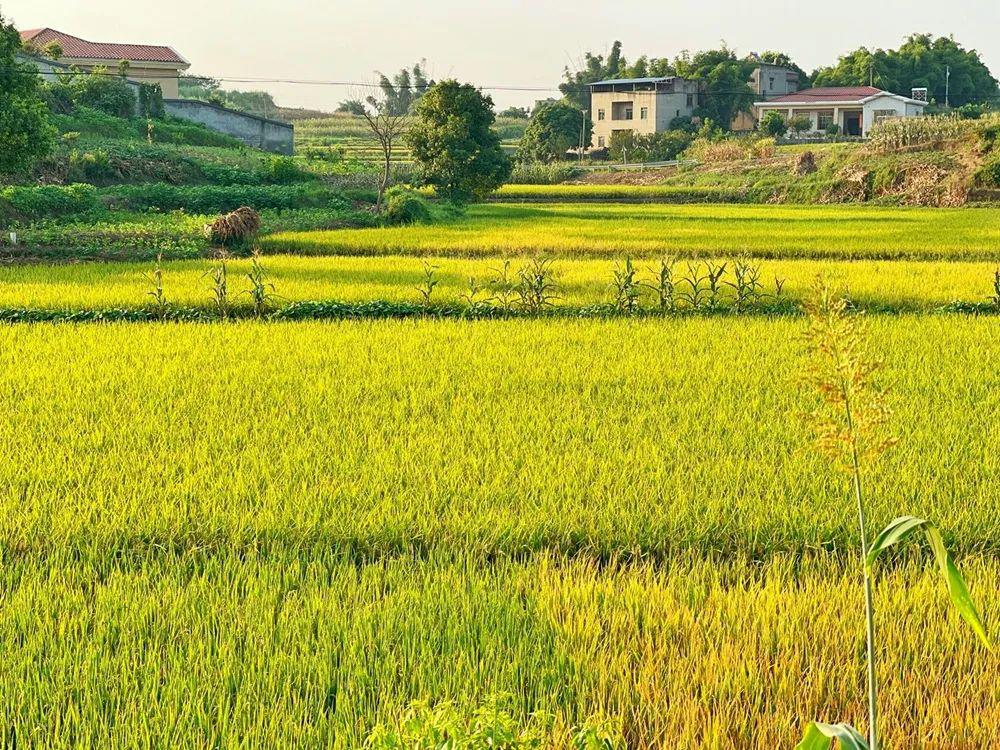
[{"x": 259, "y": 132}]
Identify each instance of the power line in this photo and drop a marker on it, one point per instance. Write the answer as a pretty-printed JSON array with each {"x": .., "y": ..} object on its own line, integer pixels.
[{"x": 560, "y": 88}]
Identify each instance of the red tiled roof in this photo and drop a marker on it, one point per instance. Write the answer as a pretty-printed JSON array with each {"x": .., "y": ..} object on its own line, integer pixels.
[
  {"x": 74, "y": 47},
  {"x": 829, "y": 94}
]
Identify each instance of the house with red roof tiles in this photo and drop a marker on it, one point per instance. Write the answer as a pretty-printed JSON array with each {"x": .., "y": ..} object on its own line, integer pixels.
[
  {"x": 146, "y": 63},
  {"x": 853, "y": 109}
]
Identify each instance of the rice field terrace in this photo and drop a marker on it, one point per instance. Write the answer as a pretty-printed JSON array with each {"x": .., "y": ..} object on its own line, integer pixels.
[
  {"x": 876, "y": 285},
  {"x": 261, "y": 534},
  {"x": 580, "y": 530},
  {"x": 598, "y": 230}
]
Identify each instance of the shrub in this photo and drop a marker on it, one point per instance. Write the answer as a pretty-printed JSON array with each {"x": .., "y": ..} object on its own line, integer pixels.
[
  {"x": 210, "y": 199},
  {"x": 281, "y": 170},
  {"x": 107, "y": 93},
  {"x": 405, "y": 206},
  {"x": 47, "y": 201},
  {"x": 236, "y": 229},
  {"x": 800, "y": 124},
  {"x": 91, "y": 166},
  {"x": 773, "y": 123},
  {"x": 833, "y": 129},
  {"x": 650, "y": 147}
]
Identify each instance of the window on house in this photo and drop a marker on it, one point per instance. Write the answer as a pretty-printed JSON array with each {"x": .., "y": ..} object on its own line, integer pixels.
[
  {"x": 678, "y": 113},
  {"x": 600, "y": 114},
  {"x": 690, "y": 100},
  {"x": 644, "y": 113},
  {"x": 621, "y": 111},
  {"x": 600, "y": 141},
  {"x": 824, "y": 120},
  {"x": 771, "y": 83},
  {"x": 885, "y": 114}
]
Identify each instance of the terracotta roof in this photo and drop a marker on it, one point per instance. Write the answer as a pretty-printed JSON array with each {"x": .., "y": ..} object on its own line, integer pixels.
[
  {"x": 74, "y": 47},
  {"x": 829, "y": 94}
]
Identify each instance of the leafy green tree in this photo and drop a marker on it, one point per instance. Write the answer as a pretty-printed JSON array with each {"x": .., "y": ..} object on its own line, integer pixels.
[
  {"x": 26, "y": 134},
  {"x": 595, "y": 68},
  {"x": 920, "y": 62},
  {"x": 725, "y": 77},
  {"x": 404, "y": 89},
  {"x": 453, "y": 144},
  {"x": 553, "y": 130},
  {"x": 516, "y": 113},
  {"x": 773, "y": 123},
  {"x": 781, "y": 59}
]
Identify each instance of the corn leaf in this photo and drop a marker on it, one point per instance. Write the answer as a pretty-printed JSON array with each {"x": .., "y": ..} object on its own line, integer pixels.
[
  {"x": 956, "y": 586},
  {"x": 899, "y": 530},
  {"x": 821, "y": 736}
]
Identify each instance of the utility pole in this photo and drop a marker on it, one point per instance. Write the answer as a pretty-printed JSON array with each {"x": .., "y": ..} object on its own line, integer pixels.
[
  {"x": 947, "y": 84},
  {"x": 583, "y": 130}
]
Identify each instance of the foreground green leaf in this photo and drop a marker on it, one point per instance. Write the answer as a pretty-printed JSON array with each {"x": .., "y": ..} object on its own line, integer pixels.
[
  {"x": 821, "y": 736},
  {"x": 903, "y": 527}
]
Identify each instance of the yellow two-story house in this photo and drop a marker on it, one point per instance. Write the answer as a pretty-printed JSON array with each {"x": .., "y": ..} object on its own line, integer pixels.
[{"x": 640, "y": 105}]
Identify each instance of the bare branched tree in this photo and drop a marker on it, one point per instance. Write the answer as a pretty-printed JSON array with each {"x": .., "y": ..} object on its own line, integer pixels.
[{"x": 388, "y": 127}]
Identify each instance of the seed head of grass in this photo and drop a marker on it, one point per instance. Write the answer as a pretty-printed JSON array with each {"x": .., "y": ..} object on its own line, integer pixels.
[{"x": 852, "y": 413}]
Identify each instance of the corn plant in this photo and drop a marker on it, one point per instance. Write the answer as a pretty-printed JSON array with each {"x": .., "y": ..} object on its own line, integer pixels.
[
  {"x": 851, "y": 424},
  {"x": 714, "y": 276},
  {"x": 474, "y": 303},
  {"x": 625, "y": 287},
  {"x": 261, "y": 291},
  {"x": 536, "y": 286},
  {"x": 219, "y": 275},
  {"x": 428, "y": 284},
  {"x": 503, "y": 286},
  {"x": 156, "y": 287},
  {"x": 697, "y": 290},
  {"x": 746, "y": 284},
  {"x": 663, "y": 285}
]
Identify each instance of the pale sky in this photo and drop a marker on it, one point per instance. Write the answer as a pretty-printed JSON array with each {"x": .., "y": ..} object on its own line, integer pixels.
[{"x": 498, "y": 43}]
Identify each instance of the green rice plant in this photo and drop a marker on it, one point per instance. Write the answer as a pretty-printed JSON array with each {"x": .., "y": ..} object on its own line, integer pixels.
[
  {"x": 851, "y": 427},
  {"x": 625, "y": 287},
  {"x": 610, "y": 230},
  {"x": 536, "y": 286},
  {"x": 995, "y": 299},
  {"x": 428, "y": 285}
]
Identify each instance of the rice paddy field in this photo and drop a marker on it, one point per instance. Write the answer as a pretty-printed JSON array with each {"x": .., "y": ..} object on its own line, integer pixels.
[
  {"x": 611, "y": 230},
  {"x": 878, "y": 285},
  {"x": 278, "y": 534}
]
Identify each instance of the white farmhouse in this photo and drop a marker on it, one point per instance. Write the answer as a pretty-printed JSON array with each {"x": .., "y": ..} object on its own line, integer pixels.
[{"x": 854, "y": 109}]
